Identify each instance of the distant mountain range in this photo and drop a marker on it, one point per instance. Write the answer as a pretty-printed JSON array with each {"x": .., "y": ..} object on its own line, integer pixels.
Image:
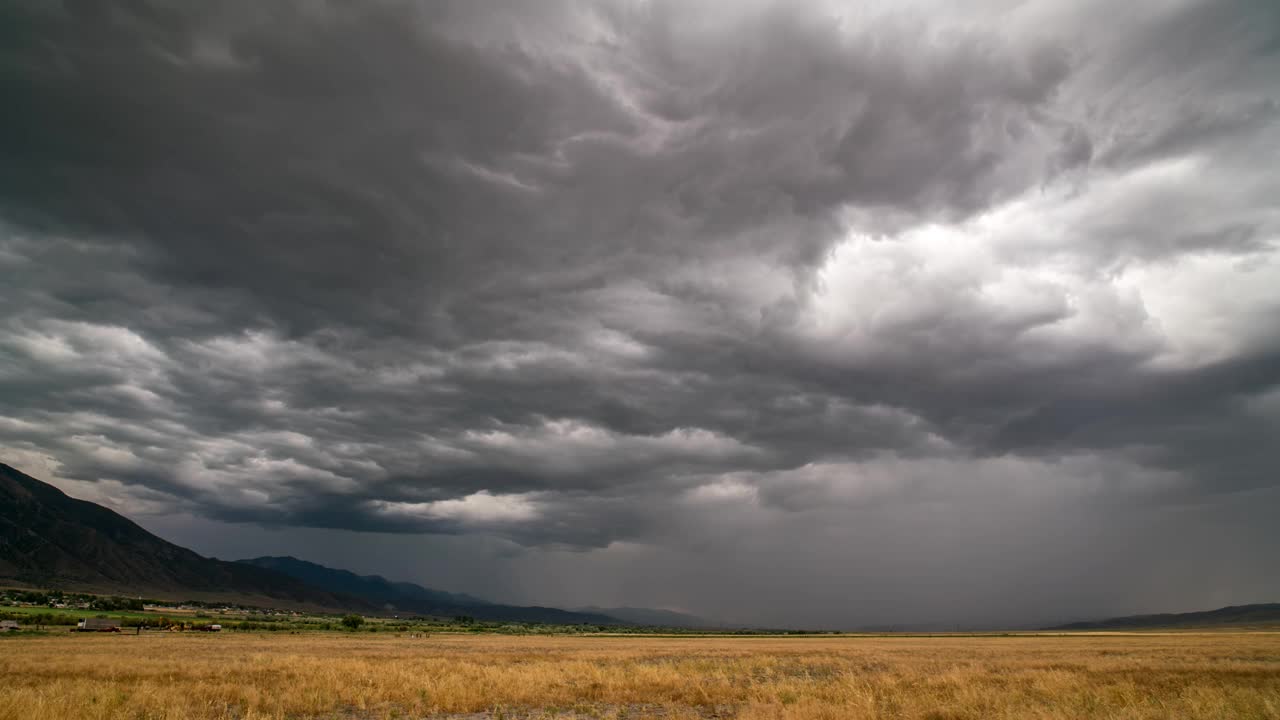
[
  {"x": 1261, "y": 615},
  {"x": 50, "y": 540},
  {"x": 650, "y": 616},
  {"x": 408, "y": 598}
]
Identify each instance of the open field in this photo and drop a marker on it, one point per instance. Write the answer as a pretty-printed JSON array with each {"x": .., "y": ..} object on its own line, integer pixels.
[{"x": 244, "y": 676}]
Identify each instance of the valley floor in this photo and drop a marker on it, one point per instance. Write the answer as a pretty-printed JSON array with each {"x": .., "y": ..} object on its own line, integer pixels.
[{"x": 466, "y": 677}]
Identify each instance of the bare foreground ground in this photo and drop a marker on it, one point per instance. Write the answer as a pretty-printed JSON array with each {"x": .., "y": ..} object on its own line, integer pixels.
[{"x": 342, "y": 677}]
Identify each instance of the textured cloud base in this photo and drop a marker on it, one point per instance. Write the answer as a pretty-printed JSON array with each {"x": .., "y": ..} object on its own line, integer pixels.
[{"x": 656, "y": 275}]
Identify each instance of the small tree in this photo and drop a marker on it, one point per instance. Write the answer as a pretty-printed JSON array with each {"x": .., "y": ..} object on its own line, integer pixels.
[{"x": 352, "y": 622}]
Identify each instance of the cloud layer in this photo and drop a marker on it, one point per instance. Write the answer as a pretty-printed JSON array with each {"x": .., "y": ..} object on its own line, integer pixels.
[{"x": 645, "y": 274}]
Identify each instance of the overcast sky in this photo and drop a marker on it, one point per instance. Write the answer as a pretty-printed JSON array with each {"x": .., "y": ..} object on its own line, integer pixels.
[{"x": 807, "y": 313}]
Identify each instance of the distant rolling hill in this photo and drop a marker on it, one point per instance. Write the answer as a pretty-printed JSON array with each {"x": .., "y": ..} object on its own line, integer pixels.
[
  {"x": 651, "y": 616},
  {"x": 405, "y": 597},
  {"x": 1262, "y": 615},
  {"x": 373, "y": 587},
  {"x": 48, "y": 539}
]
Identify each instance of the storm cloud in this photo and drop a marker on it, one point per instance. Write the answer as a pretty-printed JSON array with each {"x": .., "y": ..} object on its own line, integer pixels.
[{"x": 726, "y": 286}]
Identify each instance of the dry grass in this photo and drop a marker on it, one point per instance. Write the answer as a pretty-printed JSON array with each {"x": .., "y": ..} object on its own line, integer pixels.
[{"x": 1210, "y": 675}]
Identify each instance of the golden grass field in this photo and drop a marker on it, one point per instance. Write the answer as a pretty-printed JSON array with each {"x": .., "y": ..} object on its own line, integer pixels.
[{"x": 244, "y": 676}]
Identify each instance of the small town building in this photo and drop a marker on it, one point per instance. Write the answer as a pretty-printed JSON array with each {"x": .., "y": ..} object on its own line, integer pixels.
[{"x": 9, "y": 626}]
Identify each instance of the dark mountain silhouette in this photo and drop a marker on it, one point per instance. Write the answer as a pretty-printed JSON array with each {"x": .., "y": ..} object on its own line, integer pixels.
[
  {"x": 50, "y": 540},
  {"x": 405, "y": 597},
  {"x": 1266, "y": 614}
]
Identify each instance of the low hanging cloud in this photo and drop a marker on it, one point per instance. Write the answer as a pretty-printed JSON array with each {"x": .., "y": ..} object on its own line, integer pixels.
[{"x": 638, "y": 272}]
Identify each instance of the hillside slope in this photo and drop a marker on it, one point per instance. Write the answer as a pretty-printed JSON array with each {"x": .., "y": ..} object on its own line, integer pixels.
[
  {"x": 49, "y": 539},
  {"x": 410, "y": 598},
  {"x": 1265, "y": 614}
]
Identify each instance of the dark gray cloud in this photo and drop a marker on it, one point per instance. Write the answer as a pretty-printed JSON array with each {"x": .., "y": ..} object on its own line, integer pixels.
[{"x": 600, "y": 277}]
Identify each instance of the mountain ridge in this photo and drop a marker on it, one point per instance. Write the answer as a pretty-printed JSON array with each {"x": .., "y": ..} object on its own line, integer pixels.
[
  {"x": 1229, "y": 616},
  {"x": 277, "y": 562},
  {"x": 409, "y": 597},
  {"x": 48, "y": 538},
  {"x": 52, "y": 540}
]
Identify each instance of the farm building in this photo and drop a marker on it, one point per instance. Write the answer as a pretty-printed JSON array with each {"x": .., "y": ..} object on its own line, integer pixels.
[
  {"x": 9, "y": 625},
  {"x": 98, "y": 625}
]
